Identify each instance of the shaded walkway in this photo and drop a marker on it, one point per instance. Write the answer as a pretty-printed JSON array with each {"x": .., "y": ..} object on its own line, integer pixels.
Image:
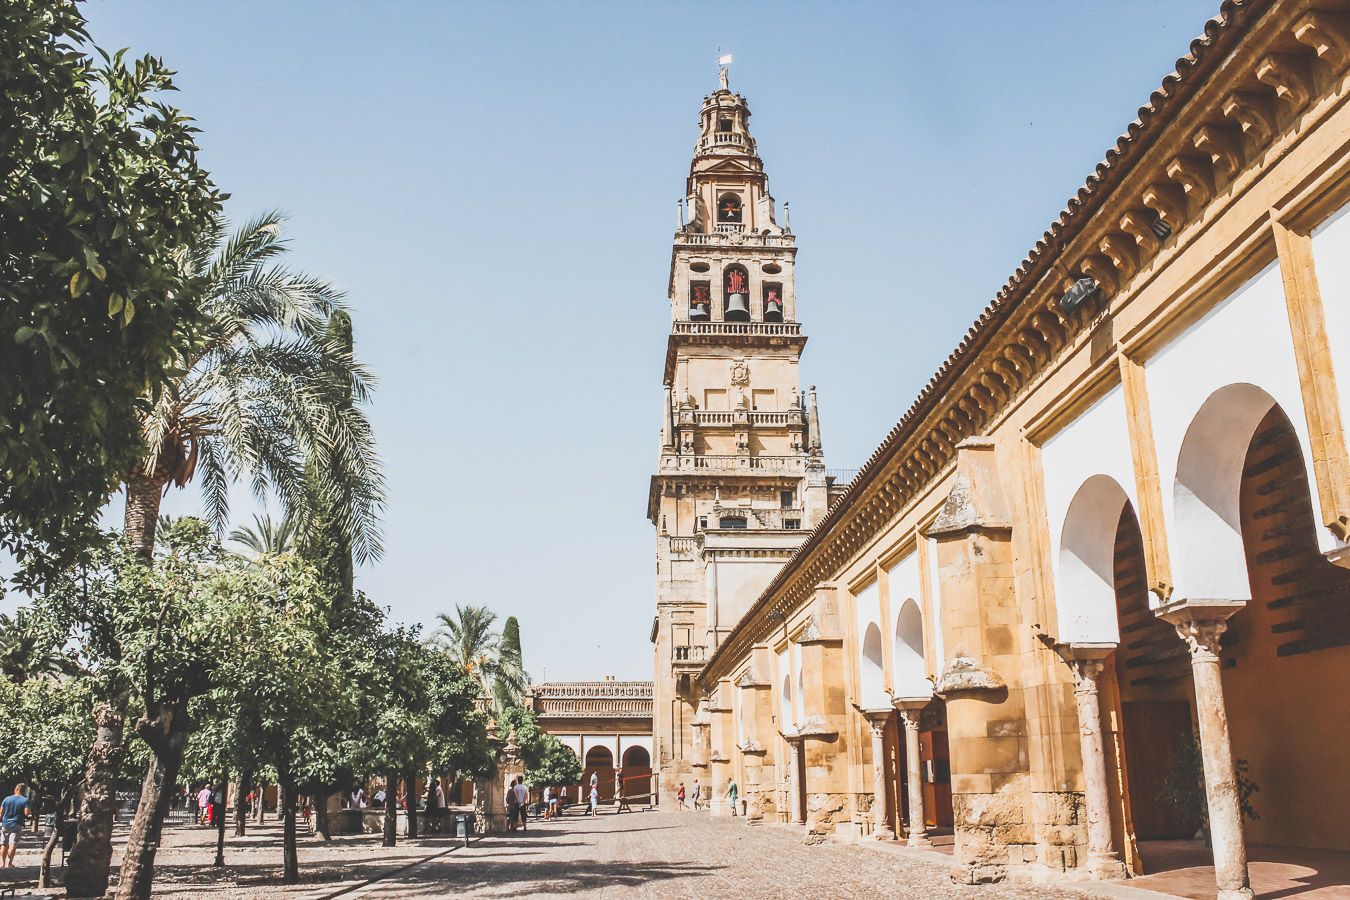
[{"x": 676, "y": 855}]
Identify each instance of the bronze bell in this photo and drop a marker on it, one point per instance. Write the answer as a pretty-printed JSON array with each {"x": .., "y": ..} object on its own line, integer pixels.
[
  {"x": 738, "y": 310},
  {"x": 773, "y": 311},
  {"x": 698, "y": 312}
]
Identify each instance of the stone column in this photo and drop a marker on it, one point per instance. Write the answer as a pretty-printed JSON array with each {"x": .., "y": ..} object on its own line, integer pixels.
[
  {"x": 1200, "y": 623},
  {"x": 915, "y": 828},
  {"x": 878, "y": 719},
  {"x": 1088, "y": 661},
  {"x": 796, "y": 815}
]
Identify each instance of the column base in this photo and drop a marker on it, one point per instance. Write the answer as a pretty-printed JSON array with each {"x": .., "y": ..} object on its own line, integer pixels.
[
  {"x": 1245, "y": 893},
  {"x": 1106, "y": 866},
  {"x": 918, "y": 839},
  {"x": 883, "y": 834}
]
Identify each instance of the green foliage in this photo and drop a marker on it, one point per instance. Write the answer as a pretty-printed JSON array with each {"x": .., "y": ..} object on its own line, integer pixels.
[
  {"x": 467, "y": 637},
  {"x": 509, "y": 677},
  {"x": 547, "y": 759},
  {"x": 1183, "y": 785},
  {"x": 101, "y": 201},
  {"x": 265, "y": 537},
  {"x": 48, "y": 731},
  {"x": 255, "y": 392}
]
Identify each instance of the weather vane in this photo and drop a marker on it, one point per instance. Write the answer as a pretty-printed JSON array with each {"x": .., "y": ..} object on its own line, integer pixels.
[{"x": 723, "y": 60}]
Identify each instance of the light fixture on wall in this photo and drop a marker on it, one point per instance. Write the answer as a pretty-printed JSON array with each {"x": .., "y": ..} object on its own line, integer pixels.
[{"x": 1083, "y": 290}]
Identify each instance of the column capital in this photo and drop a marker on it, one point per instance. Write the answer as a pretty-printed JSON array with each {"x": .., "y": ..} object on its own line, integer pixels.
[
  {"x": 876, "y": 718},
  {"x": 1200, "y": 623}
]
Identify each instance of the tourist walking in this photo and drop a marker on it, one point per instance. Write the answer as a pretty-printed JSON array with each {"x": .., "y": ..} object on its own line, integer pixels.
[
  {"x": 679, "y": 797},
  {"x": 510, "y": 800},
  {"x": 733, "y": 794},
  {"x": 698, "y": 796},
  {"x": 12, "y": 811},
  {"x": 522, "y": 802},
  {"x": 204, "y": 805}
]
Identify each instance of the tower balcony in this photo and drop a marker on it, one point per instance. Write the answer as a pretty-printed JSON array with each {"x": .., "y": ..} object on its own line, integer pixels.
[
  {"x": 753, "y": 417},
  {"x": 733, "y": 238},
  {"x": 688, "y": 659},
  {"x": 714, "y": 329},
  {"x": 733, "y": 465}
]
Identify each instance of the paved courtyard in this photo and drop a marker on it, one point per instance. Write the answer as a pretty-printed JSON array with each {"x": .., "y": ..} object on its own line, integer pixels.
[{"x": 676, "y": 855}]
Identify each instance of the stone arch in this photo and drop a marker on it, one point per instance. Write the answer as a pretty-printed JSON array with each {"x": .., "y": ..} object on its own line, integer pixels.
[
  {"x": 1209, "y": 562},
  {"x": 872, "y": 691},
  {"x": 599, "y": 757},
  {"x": 636, "y": 757},
  {"x": 1085, "y": 592},
  {"x": 910, "y": 678}
]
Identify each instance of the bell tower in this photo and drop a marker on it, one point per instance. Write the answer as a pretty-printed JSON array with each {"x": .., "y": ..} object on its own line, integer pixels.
[{"x": 741, "y": 477}]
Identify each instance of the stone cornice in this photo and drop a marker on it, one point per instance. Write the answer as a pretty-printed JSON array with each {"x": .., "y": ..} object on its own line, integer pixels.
[{"x": 1198, "y": 135}]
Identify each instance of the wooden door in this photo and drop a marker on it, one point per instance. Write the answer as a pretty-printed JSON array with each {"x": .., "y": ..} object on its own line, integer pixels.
[{"x": 1156, "y": 736}]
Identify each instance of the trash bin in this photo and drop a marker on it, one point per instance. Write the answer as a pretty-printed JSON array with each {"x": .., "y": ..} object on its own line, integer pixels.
[{"x": 464, "y": 825}]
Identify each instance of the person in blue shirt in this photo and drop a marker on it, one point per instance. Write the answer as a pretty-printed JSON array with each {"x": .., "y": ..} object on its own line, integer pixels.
[{"x": 12, "y": 811}]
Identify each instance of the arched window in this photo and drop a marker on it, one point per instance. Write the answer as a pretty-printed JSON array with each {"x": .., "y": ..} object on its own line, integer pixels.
[
  {"x": 736, "y": 291},
  {"x": 729, "y": 208}
]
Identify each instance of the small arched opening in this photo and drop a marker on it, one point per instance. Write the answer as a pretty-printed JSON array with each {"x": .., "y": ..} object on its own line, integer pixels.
[
  {"x": 600, "y": 763},
  {"x": 637, "y": 772}
]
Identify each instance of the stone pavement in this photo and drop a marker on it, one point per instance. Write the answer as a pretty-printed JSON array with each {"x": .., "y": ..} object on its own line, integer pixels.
[{"x": 677, "y": 855}]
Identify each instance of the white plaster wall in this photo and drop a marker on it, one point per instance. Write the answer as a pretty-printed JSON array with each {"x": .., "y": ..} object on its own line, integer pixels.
[
  {"x": 1243, "y": 340},
  {"x": 872, "y": 678},
  {"x": 904, "y": 583},
  {"x": 782, "y": 693},
  {"x": 934, "y": 606},
  {"x": 1331, "y": 257},
  {"x": 739, "y": 584},
  {"x": 1097, "y": 443}
]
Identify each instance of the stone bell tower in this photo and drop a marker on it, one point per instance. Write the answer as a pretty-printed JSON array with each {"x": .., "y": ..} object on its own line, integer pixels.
[{"x": 741, "y": 478}]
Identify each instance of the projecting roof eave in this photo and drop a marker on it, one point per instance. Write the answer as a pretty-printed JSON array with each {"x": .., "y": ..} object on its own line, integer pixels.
[{"x": 1207, "y": 52}]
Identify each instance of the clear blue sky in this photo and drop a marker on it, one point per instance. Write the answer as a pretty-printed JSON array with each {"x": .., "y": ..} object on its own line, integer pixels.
[{"x": 494, "y": 186}]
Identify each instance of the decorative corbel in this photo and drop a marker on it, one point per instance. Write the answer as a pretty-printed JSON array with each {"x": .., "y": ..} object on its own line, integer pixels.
[
  {"x": 964, "y": 675},
  {"x": 1222, "y": 143},
  {"x": 1123, "y": 253},
  {"x": 1328, "y": 34},
  {"x": 1100, "y": 270},
  {"x": 1168, "y": 202},
  {"x": 1193, "y": 174},
  {"x": 1253, "y": 114},
  {"x": 1137, "y": 224},
  {"x": 1288, "y": 75}
]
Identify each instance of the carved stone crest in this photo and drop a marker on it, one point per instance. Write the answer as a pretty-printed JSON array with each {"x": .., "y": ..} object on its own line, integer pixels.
[{"x": 740, "y": 374}]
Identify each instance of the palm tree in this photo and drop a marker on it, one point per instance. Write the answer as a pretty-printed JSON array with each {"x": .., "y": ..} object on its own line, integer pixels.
[
  {"x": 255, "y": 395},
  {"x": 467, "y": 636},
  {"x": 265, "y": 537}
]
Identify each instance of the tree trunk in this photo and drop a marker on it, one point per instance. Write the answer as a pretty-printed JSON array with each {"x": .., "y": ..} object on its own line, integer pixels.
[
  {"x": 321, "y": 794},
  {"x": 410, "y": 800},
  {"x": 390, "y": 808},
  {"x": 241, "y": 805},
  {"x": 258, "y": 810},
  {"x": 142, "y": 513},
  {"x": 58, "y": 824},
  {"x": 90, "y": 859},
  {"x": 218, "y": 813},
  {"x": 167, "y": 735},
  {"x": 290, "y": 856}
]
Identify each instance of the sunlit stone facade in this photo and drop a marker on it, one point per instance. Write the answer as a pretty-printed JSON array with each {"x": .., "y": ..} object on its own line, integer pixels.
[{"x": 1107, "y": 543}]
